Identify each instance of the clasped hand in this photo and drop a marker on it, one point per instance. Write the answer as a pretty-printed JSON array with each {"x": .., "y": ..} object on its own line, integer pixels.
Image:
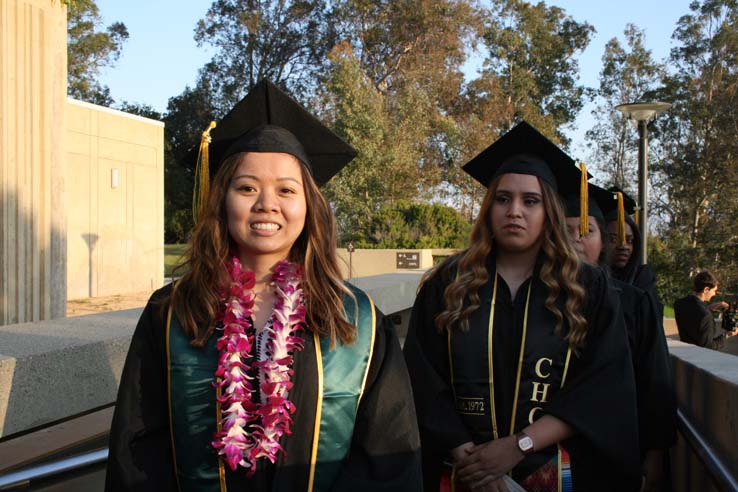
[{"x": 478, "y": 465}]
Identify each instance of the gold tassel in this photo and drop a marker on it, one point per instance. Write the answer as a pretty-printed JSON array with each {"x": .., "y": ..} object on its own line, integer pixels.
[
  {"x": 202, "y": 175},
  {"x": 637, "y": 216},
  {"x": 621, "y": 220},
  {"x": 583, "y": 203}
]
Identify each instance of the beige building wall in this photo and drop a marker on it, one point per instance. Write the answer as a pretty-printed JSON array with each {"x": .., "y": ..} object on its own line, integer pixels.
[
  {"x": 33, "y": 86},
  {"x": 368, "y": 262},
  {"x": 115, "y": 208}
]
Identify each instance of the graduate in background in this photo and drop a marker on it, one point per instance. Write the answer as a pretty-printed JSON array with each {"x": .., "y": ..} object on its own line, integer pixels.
[
  {"x": 259, "y": 369},
  {"x": 516, "y": 350},
  {"x": 656, "y": 398},
  {"x": 625, "y": 261}
]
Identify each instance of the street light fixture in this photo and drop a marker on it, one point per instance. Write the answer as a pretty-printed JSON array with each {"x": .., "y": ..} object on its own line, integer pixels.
[{"x": 642, "y": 113}]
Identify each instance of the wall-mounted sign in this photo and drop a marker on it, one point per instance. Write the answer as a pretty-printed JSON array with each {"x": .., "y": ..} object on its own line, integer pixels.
[{"x": 408, "y": 260}]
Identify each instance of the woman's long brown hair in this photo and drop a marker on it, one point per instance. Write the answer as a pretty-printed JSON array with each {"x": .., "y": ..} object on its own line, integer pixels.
[
  {"x": 195, "y": 299},
  {"x": 558, "y": 272}
]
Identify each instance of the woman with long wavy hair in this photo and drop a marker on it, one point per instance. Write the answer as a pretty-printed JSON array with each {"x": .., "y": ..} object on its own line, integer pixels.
[
  {"x": 260, "y": 369},
  {"x": 516, "y": 350}
]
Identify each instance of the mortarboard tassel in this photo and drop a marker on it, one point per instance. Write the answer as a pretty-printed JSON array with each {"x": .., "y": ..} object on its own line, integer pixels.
[
  {"x": 637, "y": 216},
  {"x": 202, "y": 175},
  {"x": 583, "y": 203},
  {"x": 621, "y": 220}
]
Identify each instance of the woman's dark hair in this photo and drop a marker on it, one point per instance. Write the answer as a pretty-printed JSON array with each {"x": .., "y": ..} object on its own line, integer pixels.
[{"x": 703, "y": 280}]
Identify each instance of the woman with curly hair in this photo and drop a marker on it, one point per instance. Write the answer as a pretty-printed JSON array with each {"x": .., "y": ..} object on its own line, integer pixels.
[
  {"x": 516, "y": 350},
  {"x": 260, "y": 369}
]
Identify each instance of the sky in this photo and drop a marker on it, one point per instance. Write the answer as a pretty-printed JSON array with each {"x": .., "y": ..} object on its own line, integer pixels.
[{"x": 161, "y": 57}]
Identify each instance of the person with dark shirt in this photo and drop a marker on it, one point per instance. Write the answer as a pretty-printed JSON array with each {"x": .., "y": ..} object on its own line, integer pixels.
[
  {"x": 517, "y": 350},
  {"x": 625, "y": 262},
  {"x": 650, "y": 356},
  {"x": 694, "y": 316},
  {"x": 260, "y": 369}
]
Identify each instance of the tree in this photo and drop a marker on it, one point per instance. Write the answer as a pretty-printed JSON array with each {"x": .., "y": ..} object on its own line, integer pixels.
[
  {"x": 531, "y": 52},
  {"x": 530, "y": 72},
  {"x": 187, "y": 116},
  {"x": 415, "y": 225},
  {"x": 696, "y": 170},
  {"x": 628, "y": 74},
  {"x": 89, "y": 50},
  {"x": 285, "y": 41},
  {"x": 386, "y": 131}
]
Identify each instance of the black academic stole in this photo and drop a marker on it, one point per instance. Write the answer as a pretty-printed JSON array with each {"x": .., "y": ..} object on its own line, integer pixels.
[
  {"x": 539, "y": 372},
  {"x": 194, "y": 413}
]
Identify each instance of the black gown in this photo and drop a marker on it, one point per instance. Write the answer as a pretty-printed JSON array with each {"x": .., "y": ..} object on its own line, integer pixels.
[
  {"x": 384, "y": 452},
  {"x": 598, "y": 399},
  {"x": 656, "y": 398}
]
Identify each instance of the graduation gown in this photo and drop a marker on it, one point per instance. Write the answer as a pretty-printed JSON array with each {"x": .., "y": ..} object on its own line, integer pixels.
[
  {"x": 384, "y": 450},
  {"x": 654, "y": 388},
  {"x": 451, "y": 379}
]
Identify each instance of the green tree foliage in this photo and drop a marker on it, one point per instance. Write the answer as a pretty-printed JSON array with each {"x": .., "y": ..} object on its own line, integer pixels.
[
  {"x": 531, "y": 59},
  {"x": 628, "y": 74},
  {"x": 697, "y": 166},
  {"x": 387, "y": 131},
  {"x": 90, "y": 48},
  {"x": 187, "y": 116},
  {"x": 530, "y": 72},
  {"x": 415, "y": 225},
  {"x": 285, "y": 41}
]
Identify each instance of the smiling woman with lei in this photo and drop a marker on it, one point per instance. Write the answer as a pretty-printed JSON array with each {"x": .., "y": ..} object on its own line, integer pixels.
[{"x": 260, "y": 369}]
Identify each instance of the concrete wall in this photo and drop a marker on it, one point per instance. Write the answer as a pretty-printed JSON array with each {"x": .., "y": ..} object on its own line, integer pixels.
[
  {"x": 51, "y": 370},
  {"x": 115, "y": 235},
  {"x": 33, "y": 89},
  {"x": 368, "y": 262},
  {"x": 706, "y": 384}
]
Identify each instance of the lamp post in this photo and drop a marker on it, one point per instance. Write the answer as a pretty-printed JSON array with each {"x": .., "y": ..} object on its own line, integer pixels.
[{"x": 642, "y": 113}]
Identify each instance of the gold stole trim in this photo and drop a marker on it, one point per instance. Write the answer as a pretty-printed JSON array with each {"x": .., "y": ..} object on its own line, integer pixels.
[
  {"x": 490, "y": 333},
  {"x": 563, "y": 379},
  {"x": 371, "y": 347},
  {"x": 520, "y": 360},
  {"x": 318, "y": 412},
  {"x": 490, "y": 359},
  {"x": 169, "y": 399}
]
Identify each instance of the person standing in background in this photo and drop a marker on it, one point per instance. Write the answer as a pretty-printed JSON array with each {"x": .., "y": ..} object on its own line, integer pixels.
[{"x": 694, "y": 317}]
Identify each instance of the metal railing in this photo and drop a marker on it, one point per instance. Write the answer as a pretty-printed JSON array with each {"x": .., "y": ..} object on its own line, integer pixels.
[
  {"x": 23, "y": 478},
  {"x": 718, "y": 472},
  {"x": 720, "y": 475}
]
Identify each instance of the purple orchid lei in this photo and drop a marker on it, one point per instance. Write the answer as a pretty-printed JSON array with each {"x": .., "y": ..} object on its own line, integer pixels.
[{"x": 250, "y": 430}]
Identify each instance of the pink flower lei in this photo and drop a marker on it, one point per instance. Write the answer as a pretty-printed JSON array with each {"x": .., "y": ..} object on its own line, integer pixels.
[{"x": 250, "y": 430}]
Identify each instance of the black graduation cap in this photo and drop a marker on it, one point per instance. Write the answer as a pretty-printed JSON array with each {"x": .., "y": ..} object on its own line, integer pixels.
[
  {"x": 268, "y": 120},
  {"x": 524, "y": 150},
  {"x": 601, "y": 203},
  {"x": 605, "y": 205}
]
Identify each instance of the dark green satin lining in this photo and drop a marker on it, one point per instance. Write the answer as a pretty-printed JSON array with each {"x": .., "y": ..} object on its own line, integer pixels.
[
  {"x": 344, "y": 374},
  {"x": 193, "y": 411}
]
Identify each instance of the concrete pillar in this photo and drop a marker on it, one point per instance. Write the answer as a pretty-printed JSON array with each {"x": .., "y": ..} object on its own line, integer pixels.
[{"x": 33, "y": 71}]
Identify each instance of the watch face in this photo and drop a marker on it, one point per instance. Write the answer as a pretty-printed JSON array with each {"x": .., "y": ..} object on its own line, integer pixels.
[{"x": 525, "y": 443}]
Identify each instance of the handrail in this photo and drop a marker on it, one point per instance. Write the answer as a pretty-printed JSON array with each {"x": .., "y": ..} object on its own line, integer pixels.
[
  {"x": 24, "y": 477},
  {"x": 719, "y": 474}
]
